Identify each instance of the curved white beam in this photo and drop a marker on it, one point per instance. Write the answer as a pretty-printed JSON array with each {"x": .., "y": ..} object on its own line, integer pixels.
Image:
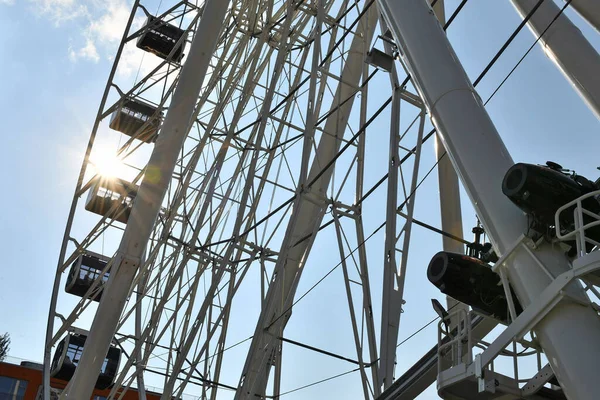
[{"x": 148, "y": 201}]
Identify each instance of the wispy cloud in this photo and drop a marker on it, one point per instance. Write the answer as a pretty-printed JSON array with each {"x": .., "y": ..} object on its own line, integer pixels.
[
  {"x": 109, "y": 26},
  {"x": 104, "y": 28},
  {"x": 99, "y": 27},
  {"x": 87, "y": 52},
  {"x": 7, "y": 2},
  {"x": 60, "y": 11}
]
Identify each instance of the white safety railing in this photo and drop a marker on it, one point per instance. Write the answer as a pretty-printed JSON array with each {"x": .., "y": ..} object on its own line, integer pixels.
[
  {"x": 458, "y": 345},
  {"x": 583, "y": 221}
]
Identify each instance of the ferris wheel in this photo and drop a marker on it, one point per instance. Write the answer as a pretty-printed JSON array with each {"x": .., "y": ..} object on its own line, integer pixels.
[{"x": 258, "y": 178}]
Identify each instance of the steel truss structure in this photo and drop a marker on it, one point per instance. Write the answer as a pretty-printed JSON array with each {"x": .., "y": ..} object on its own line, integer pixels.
[{"x": 261, "y": 156}]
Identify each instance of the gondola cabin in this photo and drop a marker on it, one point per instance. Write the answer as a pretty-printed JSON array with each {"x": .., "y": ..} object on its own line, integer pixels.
[
  {"x": 136, "y": 119},
  {"x": 112, "y": 198},
  {"x": 379, "y": 59},
  {"x": 68, "y": 354},
  {"x": 161, "y": 38},
  {"x": 84, "y": 271}
]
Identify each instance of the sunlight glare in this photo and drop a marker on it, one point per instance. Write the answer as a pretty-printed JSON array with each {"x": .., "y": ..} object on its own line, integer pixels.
[{"x": 107, "y": 164}]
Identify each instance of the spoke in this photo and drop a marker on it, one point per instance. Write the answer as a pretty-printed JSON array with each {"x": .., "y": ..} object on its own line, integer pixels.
[{"x": 277, "y": 138}]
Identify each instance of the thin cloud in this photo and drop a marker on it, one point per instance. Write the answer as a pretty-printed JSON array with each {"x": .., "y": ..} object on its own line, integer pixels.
[
  {"x": 99, "y": 26},
  {"x": 60, "y": 11},
  {"x": 87, "y": 52}
]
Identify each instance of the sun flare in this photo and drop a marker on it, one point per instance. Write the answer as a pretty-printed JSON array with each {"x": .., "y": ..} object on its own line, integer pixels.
[{"x": 107, "y": 164}]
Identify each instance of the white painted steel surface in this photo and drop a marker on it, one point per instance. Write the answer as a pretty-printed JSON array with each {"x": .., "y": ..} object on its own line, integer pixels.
[
  {"x": 182, "y": 325},
  {"x": 450, "y": 212},
  {"x": 589, "y": 10},
  {"x": 148, "y": 201},
  {"x": 308, "y": 211},
  {"x": 566, "y": 46},
  {"x": 190, "y": 327},
  {"x": 449, "y": 191},
  {"x": 393, "y": 277},
  {"x": 481, "y": 160},
  {"x": 63, "y": 247}
]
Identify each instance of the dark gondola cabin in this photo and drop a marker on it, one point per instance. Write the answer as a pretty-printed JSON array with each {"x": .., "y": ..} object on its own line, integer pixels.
[
  {"x": 136, "y": 119},
  {"x": 111, "y": 197},
  {"x": 67, "y": 356},
  {"x": 379, "y": 59},
  {"x": 160, "y": 38},
  {"x": 84, "y": 272}
]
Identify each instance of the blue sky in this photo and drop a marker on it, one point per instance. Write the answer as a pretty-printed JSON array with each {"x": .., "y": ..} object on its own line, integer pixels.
[{"x": 57, "y": 54}]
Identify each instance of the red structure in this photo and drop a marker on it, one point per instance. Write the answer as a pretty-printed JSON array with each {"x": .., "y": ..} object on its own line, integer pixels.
[{"x": 24, "y": 382}]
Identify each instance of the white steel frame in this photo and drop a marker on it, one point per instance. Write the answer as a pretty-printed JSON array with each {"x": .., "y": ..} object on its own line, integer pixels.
[
  {"x": 566, "y": 46},
  {"x": 481, "y": 164},
  {"x": 260, "y": 112},
  {"x": 589, "y": 10},
  {"x": 197, "y": 204}
]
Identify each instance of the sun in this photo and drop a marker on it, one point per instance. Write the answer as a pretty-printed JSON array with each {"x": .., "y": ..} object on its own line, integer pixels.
[{"x": 106, "y": 163}]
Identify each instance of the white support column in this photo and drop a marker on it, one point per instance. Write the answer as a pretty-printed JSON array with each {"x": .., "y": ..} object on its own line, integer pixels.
[
  {"x": 564, "y": 44},
  {"x": 449, "y": 191},
  {"x": 141, "y": 387},
  {"x": 394, "y": 277},
  {"x": 589, "y": 10},
  {"x": 451, "y": 214},
  {"x": 148, "y": 201},
  {"x": 391, "y": 297},
  {"x": 305, "y": 220},
  {"x": 569, "y": 333}
]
